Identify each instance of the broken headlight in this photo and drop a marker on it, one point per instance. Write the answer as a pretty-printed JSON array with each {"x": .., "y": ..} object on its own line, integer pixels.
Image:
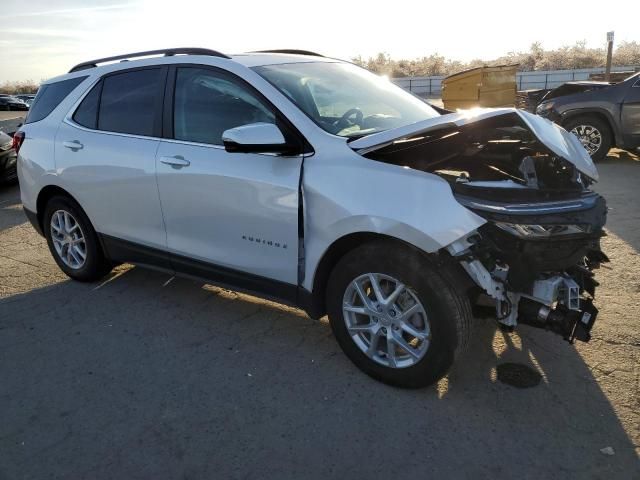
[{"x": 542, "y": 231}]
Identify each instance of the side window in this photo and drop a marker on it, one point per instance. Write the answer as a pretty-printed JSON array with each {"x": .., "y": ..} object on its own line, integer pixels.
[
  {"x": 87, "y": 113},
  {"x": 129, "y": 101},
  {"x": 206, "y": 103},
  {"x": 49, "y": 97}
]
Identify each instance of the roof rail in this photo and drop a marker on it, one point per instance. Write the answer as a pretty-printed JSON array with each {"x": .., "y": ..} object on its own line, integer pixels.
[
  {"x": 168, "y": 52},
  {"x": 290, "y": 51}
]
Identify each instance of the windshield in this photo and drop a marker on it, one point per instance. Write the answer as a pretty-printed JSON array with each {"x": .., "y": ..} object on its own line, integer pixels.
[
  {"x": 635, "y": 75},
  {"x": 344, "y": 99}
]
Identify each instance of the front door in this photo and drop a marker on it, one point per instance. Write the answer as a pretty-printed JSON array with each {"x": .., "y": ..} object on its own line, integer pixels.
[
  {"x": 233, "y": 213},
  {"x": 631, "y": 114}
]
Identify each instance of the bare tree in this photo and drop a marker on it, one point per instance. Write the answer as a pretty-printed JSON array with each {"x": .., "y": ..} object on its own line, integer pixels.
[{"x": 537, "y": 58}]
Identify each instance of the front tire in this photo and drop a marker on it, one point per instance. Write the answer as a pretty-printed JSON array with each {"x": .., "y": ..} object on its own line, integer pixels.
[
  {"x": 594, "y": 134},
  {"x": 73, "y": 242},
  {"x": 399, "y": 316}
]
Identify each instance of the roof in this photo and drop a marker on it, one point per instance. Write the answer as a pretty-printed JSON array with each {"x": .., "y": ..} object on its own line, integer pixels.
[
  {"x": 258, "y": 59},
  {"x": 249, "y": 59}
]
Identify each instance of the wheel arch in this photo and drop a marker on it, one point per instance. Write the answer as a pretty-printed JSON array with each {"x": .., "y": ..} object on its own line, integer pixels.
[
  {"x": 46, "y": 194},
  {"x": 316, "y": 307}
]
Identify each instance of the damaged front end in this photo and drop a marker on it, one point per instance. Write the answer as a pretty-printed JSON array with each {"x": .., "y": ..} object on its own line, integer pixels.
[
  {"x": 529, "y": 179},
  {"x": 540, "y": 274}
]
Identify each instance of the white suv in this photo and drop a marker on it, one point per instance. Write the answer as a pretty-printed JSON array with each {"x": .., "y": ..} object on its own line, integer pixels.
[{"x": 314, "y": 182}]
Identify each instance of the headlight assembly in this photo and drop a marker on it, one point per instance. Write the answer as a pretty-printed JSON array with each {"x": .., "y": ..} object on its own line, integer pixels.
[
  {"x": 544, "y": 107},
  {"x": 542, "y": 231}
]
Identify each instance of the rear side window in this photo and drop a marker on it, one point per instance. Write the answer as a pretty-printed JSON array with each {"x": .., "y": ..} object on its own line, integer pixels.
[
  {"x": 129, "y": 101},
  {"x": 49, "y": 97}
]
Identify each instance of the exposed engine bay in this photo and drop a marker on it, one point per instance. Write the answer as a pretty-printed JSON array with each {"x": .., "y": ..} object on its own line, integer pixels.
[
  {"x": 536, "y": 254},
  {"x": 500, "y": 148}
]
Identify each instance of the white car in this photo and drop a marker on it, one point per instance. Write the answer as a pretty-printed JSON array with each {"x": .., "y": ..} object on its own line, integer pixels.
[{"x": 314, "y": 182}]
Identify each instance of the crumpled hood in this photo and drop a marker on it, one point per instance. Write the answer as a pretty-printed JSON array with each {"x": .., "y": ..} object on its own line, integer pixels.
[{"x": 556, "y": 138}]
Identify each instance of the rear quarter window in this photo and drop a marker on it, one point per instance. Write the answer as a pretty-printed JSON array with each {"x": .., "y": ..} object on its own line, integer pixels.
[
  {"x": 87, "y": 113},
  {"x": 49, "y": 97}
]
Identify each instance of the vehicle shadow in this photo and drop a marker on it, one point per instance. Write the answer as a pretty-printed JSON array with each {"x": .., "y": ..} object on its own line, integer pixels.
[{"x": 147, "y": 376}]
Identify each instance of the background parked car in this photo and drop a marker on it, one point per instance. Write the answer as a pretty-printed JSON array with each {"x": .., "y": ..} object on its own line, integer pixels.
[
  {"x": 601, "y": 114},
  {"x": 8, "y": 172},
  {"x": 9, "y": 102},
  {"x": 26, "y": 98}
]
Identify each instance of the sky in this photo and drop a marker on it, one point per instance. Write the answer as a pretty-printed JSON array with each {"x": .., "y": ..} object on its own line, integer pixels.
[{"x": 44, "y": 38}]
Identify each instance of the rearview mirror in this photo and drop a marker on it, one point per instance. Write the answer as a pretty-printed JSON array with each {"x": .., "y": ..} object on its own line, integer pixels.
[{"x": 256, "y": 138}]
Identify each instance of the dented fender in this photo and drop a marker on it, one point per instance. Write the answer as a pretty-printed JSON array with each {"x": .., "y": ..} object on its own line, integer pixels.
[{"x": 356, "y": 195}]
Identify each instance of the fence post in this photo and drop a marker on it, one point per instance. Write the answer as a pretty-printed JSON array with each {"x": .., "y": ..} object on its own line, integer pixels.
[
  {"x": 430, "y": 87},
  {"x": 410, "y": 88},
  {"x": 546, "y": 78}
]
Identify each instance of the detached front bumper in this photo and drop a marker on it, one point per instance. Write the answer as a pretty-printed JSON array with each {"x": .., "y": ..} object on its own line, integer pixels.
[{"x": 536, "y": 261}]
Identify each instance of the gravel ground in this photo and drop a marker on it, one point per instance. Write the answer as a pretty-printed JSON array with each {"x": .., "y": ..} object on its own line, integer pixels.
[{"x": 142, "y": 377}]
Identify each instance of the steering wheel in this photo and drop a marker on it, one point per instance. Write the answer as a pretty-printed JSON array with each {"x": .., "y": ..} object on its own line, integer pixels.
[{"x": 344, "y": 121}]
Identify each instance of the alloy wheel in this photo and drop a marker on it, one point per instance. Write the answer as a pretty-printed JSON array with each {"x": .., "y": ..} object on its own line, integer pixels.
[
  {"x": 386, "y": 320},
  {"x": 68, "y": 239},
  {"x": 589, "y": 136}
]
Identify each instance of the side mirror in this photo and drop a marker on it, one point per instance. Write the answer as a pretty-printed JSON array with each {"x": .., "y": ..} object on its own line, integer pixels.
[{"x": 256, "y": 138}]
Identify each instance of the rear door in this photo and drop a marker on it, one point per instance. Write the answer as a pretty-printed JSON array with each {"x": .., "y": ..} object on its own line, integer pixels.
[
  {"x": 226, "y": 214},
  {"x": 105, "y": 154}
]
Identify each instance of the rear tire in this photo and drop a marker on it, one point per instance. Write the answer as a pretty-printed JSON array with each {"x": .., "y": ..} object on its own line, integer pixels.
[
  {"x": 73, "y": 242},
  {"x": 434, "y": 286},
  {"x": 585, "y": 125}
]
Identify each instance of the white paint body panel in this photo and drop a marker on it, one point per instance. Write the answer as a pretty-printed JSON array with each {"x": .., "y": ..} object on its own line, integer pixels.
[
  {"x": 113, "y": 177},
  {"x": 36, "y": 165},
  {"x": 345, "y": 193},
  {"x": 231, "y": 209}
]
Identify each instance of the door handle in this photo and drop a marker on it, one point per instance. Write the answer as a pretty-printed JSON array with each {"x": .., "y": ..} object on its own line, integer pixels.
[
  {"x": 72, "y": 144},
  {"x": 177, "y": 161}
]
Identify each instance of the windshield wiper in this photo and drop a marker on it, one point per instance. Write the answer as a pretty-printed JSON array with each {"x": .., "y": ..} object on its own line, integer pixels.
[
  {"x": 361, "y": 135},
  {"x": 356, "y": 137}
]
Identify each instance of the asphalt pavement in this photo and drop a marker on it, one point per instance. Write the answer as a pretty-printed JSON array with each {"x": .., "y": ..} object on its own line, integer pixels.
[{"x": 9, "y": 121}]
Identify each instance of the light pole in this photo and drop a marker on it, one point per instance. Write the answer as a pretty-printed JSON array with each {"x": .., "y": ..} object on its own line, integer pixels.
[{"x": 607, "y": 72}]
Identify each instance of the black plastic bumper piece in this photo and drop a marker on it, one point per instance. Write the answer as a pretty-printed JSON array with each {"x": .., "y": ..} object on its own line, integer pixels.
[
  {"x": 571, "y": 324},
  {"x": 33, "y": 219},
  {"x": 582, "y": 329}
]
